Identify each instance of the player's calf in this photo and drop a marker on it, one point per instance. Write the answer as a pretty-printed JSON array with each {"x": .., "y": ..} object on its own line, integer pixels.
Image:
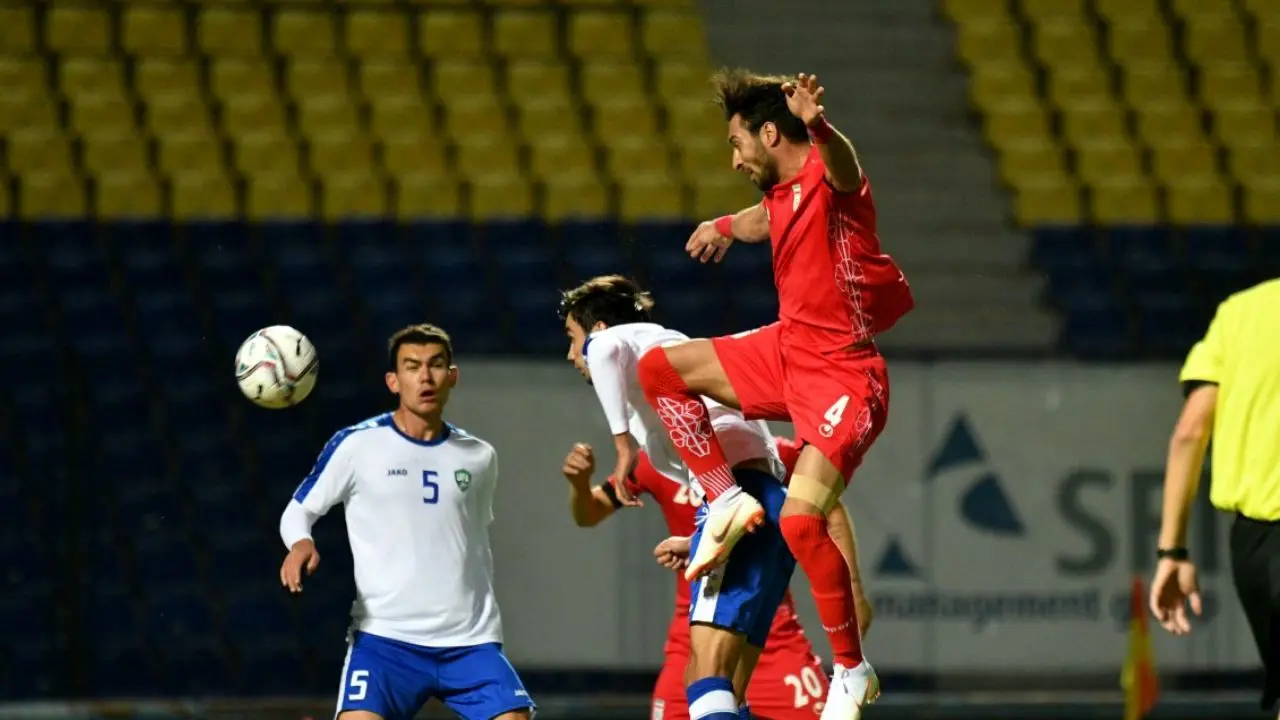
[{"x": 712, "y": 668}]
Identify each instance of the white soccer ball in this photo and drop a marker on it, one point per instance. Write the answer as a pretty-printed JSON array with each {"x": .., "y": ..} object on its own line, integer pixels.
[{"x": 276, "y": 367}]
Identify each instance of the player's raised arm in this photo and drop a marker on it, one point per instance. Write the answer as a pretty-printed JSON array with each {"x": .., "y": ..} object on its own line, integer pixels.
[
  {"x": 588, "y": 505},
  {"x": 712, "y": 238},
  {"x": 804, "y": 99},
  {"x": 326, "y": 485}
]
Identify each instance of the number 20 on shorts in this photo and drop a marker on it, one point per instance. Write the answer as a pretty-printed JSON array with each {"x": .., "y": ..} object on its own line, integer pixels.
[
  {"x": 806, "y": 684},
  {"x": 832, "y": 417}
]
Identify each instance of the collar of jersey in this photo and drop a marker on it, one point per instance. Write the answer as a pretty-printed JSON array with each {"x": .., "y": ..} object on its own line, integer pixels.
[{"x": 444, "y": 435}]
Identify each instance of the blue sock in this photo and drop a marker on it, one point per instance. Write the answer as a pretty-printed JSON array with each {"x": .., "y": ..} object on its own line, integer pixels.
[
  {"x": 744, "y": 712},
  {"x": 712, "y": 699}
]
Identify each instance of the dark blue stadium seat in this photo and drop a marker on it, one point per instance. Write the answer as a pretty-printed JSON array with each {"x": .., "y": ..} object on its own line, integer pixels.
[
  {"x": 224, "y": 500},
  {"x": 147, "y": 253},
  {"x": 194, "y": 406},
  {"x": 746, "y": 267},
  {"x": 31, "y": 670},
  {"x": 693, "y": 312},
  {"x": 520, "y": 251},
  {"x": 223, "y": 256},
  {"x": 659, "y": 250},
  {"x": 752, "y": 307},
  {"x": 1167, "y": 331},
  {"x": 1063, "y": 246},
  {"x": 128, "y": 446},
  {"x": 537, "y": 328},
  {"x": 195, "y": 667},
  {"x": 146, "y": 502},
  {"x": 393, "y": 307},
  {"x": 21, "y": 315},
  {"x": 163, "y": 555},
  {"x": 71, "y": 253},
  {"x": 120, "y": 667},
  {"x": 1211, "y": 248},
  {"x": 1073, "y": 288},
  {"x": 1144, "y": 247},
  {"x": 1097, "y": 333},
  {"x": 1268, "y": 253},
  {"x": 378, "y": 260},
  {"x": 87, "y": 309},
  {"x": 297, "y": 251},
  {"x": 260, "y": 612},
  {"x": 239, "y": 312},
  {"x": 590, "y": 249},
  {"x": 270, "y": 666},
  {"x": 178, "y": 611}
]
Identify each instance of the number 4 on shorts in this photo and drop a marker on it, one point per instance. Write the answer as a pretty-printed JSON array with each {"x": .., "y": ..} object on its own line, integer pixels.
[{"x": 833, "y": 416}]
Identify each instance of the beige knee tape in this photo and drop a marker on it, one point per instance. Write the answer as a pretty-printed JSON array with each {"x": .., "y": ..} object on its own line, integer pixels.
[{"x": 812, "y": 491}]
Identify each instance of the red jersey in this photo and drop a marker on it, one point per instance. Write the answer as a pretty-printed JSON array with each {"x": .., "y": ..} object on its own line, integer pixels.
[
  {"x": 674, "y": 501},
  {"x": 835, "y": 287}
]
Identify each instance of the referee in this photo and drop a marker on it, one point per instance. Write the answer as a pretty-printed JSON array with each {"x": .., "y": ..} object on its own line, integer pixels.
[{"x": 1232, "y": 384}]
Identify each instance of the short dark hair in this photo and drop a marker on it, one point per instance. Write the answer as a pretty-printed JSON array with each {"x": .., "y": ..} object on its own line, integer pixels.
[
  {"x": 609, "y": 299},
  {"x": 758, "y": 99},
  {"x": 421, "y": 334}
]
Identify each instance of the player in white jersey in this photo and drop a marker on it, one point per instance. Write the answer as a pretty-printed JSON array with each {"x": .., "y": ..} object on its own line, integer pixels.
[
  {"x": 418, "y": 495},
  {"x": 732, "y": 609}
]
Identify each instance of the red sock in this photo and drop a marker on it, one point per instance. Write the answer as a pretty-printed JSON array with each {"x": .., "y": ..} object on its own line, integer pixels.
[
  {"x": 820, "y": 558},
  {"x": 688, "y": 423}
]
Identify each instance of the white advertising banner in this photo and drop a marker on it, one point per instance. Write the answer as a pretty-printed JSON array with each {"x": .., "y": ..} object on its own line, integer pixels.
[{"x": 1000, "y": 517}]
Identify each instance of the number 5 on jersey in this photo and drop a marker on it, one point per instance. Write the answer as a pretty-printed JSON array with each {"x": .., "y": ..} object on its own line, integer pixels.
[
  {"x": 833, "y": 416},
  {"x": 430, "y": 489}
]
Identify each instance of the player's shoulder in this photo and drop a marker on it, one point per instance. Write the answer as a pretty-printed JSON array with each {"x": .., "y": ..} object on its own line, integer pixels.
[
  {"x": 351, "y": 434},
  {"x": 463, "y": 440}
]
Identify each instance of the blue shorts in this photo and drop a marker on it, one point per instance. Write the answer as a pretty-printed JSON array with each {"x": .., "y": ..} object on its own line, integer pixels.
[
  {"x": 743, "y": 595},
  {"x": 395, "y": 679}
]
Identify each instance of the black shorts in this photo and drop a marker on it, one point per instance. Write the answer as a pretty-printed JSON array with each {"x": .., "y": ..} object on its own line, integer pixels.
[{"x": 1255, "y": 569}]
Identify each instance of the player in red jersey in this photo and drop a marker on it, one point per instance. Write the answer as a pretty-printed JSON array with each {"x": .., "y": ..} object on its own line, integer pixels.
[
  {"x": 817, "y": 367},
  {"x": 788, "y": 682}
]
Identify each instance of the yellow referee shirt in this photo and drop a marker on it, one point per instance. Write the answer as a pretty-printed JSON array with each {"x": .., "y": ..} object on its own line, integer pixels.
[{"x": 1240, "y": 353}]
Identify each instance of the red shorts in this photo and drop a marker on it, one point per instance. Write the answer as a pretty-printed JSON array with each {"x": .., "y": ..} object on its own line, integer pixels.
[
  {"x": 785, "y": 686},
  {"x": 838, "y": 400}
]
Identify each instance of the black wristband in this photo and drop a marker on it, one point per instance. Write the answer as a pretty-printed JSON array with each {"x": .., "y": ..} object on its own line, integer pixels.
[
  {"x": 612, "y": 493},
  {"x": 1174, "y": 553}
]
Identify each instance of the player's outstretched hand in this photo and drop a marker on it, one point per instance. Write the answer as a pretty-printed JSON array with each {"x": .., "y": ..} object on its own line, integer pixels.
[
  {"x": 706, "y": 244},
  {"x": 804, "y": 98},
  {"x": 303, "y": 556},
  {"x": 673, "y": 553},
  {"x": 1173, "y": 588},
  {"x": 579, "y": 465}
]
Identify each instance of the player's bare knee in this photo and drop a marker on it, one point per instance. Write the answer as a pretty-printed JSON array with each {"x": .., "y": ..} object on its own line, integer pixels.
[
  {"x": 715, "y": 652},
  {"x": 358, "y": 715},
  {"x": 521, "y": 714}
]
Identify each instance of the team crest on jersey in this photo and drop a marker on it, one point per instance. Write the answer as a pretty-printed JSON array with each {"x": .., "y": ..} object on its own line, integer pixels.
[{"x": 463, "y": 478}]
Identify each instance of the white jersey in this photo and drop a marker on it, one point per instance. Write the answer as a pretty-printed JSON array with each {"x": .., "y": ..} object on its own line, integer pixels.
[
  {"x": 418, "y": 515},
  {"x": 612, "y": 355}
]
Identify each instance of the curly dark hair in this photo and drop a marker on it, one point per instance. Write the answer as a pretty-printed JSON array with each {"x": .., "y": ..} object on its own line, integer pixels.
[{"x": 758, "y": 99}]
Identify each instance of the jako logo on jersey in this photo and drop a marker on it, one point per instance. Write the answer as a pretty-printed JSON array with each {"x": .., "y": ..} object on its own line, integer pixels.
[
  {"x": 463, "y": 478},
  {"x": 397, "y": 472}
]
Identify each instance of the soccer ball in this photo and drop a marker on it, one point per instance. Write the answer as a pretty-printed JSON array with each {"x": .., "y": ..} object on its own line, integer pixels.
[{"x": 276, "y": 367}]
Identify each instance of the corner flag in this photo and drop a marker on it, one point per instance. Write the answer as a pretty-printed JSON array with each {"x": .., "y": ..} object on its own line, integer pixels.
[{"x": 1139, "y": 675}]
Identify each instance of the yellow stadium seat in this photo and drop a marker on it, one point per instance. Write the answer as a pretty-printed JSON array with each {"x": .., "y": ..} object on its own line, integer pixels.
[
  {"x": 303, "y": 33},
  {"x": 1144, "y": 83},
  {"x": 377, "y": 33},
  {"x": 190, "y": 152},
  {"x": 1252, "y": 165},
  {"x": 1058, "y": 43},
  {"x": 1100, "y": 162},
  {"x": 639, "y": 155},
  {"x": 251, "y": 113},
  {"x": 696, "y": 159},
  {"x": 153, "y": 30},
  {"x": 652, "y": 197},
  {"x": 668, "y": 34},
  {"x": 480, "y": 157},
  {"x": 532, "y": 81},
  {"x": 1114, "y": 10},
  {"x": 726, "y": 193},
  {"x": 7, "y": 209},
  {"x": 230, "y": 77},
  {"x": 398, "y": 115},
  {"x": 265, "y": 153},
  {"x": 17, "y": 30},
  {"x": 102, "y": 115},
  {"x": 1195, "y": 10},
  {"x": 84, "y": 30},
  {"x": 1267, "y": 37},
  {"x": 107, "y": 153},
  {"x": 610, "y": 81},
  {"x": 1226, "y": 82},
  {"x": 427, "y": 196},
  {"x": 51, "y": 194},
  {"x": 1199, "y": 200},
  {"x": 353, "y": 195},
  {"x": 304, "y": 79},
  {"x": 1140, "y": 39},
  {"x": 1244, "y": 124},
  {"x": 279, "y": 196},
  {"x": 411, "y": 154},
  {"x": 166, "y": 76},
  {"x": 991, "y": 42},
  {"x": 1216, "y": 39},
  {"x": 175, "y": 114},
  {"x": 561, "y": 156},
  {"x": 1168, "y": 120},
  {"x": 625, "y": 117},
  {"x": 199, "y": 195},
  {"x": 1259, "y": 9},
  {"x": 1074, "y": 85},
  {"x": 996, "y": 84},
  {"x": 1261, "y": 202},
  {"x": 1015, "y": 121},
  {"x": 21, "y": 75},
  {"x": 668, "y": 4},
  {"x": 26, "y": 110},
  {"x": 601, "y": 34},
  {"x": 522, "y": 33},
  {"x": 550, "y": 117},
  {"x": 339, "y": 153},
  {"x": 460, "y": 78},
  {"x": 127, "y": 195},
  {"x": 381, "y": 79},
  {"x": 31, "y": 150},
  {"x": 231, "y": 31},
  {"x": 500, "y": 197},
  {"x": 673, "y": 78},
  {"x": 1047, "y": 199},
  {"x": 1091, "y": 120},
  {"x": 452, "y": 34},
  {"x": 574, "y": 197},
  {"x": 90, "y": 76},
  {"x": 1124, "y": 200},
  {"x": 962, "y": 11},
  {"x": 1049, "y": 10},
  {"x": 1030, "y": 160},
  {"x": 696, "y": 118},
  {"x": 1174, "y": 160},
  {"x": 475, "y": 117}
]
